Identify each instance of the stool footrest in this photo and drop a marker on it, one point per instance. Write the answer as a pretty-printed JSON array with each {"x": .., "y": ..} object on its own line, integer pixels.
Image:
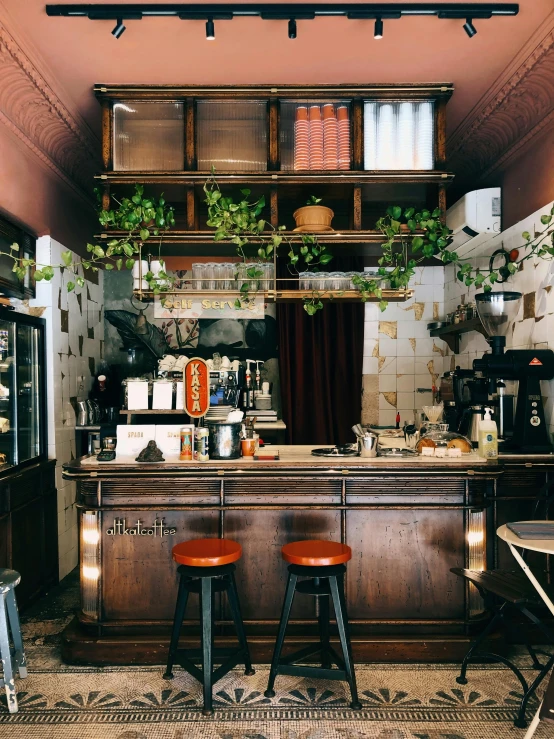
[
  {"x": 320, "y": 673},
  {"x": 231, "y": 657},
  {"x": 301, "y": 653}
]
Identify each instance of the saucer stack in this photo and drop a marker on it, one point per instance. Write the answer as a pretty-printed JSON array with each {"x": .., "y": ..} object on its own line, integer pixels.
[
  {"x": 301, "y": 139},
  {"x": 316, "y": 138},
  {"x": 343, "y": 121},
  {"x": 330, "y": 137},
  {"x": 424, "y": 137}
]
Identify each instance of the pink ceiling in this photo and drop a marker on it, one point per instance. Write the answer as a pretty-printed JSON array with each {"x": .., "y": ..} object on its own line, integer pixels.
[{"x": 79, "y": 52}]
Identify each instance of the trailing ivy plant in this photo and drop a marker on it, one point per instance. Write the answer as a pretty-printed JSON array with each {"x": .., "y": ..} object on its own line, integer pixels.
[
  {"x": 239, "y": 222},
  {"x": 141, "y": 217}
]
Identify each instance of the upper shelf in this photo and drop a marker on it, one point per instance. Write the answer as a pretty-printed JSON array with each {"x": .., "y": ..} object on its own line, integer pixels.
[{"x": 351, "y": 177}]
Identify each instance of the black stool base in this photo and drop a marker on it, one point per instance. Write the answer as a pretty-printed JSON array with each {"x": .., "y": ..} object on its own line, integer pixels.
[
  {"x": 205, "y": 581},
  {"x": 324, "y": 583}
]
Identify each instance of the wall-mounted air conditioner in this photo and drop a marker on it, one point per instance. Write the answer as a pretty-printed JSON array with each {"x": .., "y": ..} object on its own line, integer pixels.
[{"x": 474, "y": 220}]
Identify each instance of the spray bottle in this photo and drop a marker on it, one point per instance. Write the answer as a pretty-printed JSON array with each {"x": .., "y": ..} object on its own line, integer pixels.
[{"x": 488, "y": 436}]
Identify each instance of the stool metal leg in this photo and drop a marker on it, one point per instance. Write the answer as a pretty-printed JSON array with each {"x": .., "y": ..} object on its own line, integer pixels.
[
  {"x": 15, "y": 627},
  {"x": 323, "y": 621},
  {"x": 180, "y": 607},
  {"x": 234, "y": 604},
  {"x": 206, "y": 601},
  {"x": 339, "y": 601},
  {"x": 285, "y": 613},
  {"x": 5, "y": 653}
]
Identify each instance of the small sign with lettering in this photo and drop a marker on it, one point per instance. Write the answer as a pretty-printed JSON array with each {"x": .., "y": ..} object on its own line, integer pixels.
[
  {"x": 132, "y": 439},
  {"x": 197, "y": 387},
  {"x": 139, "y": 528},
  {"x": 167, "y": 307}
]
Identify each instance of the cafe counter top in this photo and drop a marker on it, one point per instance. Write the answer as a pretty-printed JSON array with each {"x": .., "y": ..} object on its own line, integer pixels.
[{"x": 291, "y": 457}]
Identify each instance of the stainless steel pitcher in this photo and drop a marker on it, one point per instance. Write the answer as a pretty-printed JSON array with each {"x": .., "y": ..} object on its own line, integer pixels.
[{"x": 367, "y": 444}]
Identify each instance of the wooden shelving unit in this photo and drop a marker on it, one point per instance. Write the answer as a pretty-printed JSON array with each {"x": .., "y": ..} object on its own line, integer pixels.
[
  {"x": 194, "y": 115},
  {"x": 451, "y": 333}
]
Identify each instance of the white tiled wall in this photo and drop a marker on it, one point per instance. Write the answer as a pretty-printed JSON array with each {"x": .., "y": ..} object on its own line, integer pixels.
[
  {"x": 400, "y": 359},
  {"x": 534, "y": 327},
  {"x": 74, "y": 344}
]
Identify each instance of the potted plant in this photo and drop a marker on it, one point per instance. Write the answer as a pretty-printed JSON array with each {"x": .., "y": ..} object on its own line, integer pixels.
[{"x": 313, "y": 216}]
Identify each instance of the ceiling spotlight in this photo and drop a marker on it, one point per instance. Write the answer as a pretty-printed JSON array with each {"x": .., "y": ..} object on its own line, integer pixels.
[
  {"x": 210, "y": 30},
  {"x": 119, "y": 28},
  {"x": 292, "y": 28},
  {"x": 378, "y": 32},
  {"x": 469, "y": 28}
]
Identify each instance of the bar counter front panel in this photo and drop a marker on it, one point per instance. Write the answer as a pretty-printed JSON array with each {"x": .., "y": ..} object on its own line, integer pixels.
[{"x": 408, "y": 523}]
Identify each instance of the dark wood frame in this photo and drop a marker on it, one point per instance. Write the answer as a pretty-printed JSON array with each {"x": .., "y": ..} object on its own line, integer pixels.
[
  {"x": 191, "y": 178},
  {"x": 27, "y": 243}
]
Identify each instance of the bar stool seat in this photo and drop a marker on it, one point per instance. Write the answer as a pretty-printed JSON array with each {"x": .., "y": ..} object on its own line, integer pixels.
[
  {"x": 206, "y": 567},
  {"x": 316, "y": 553},
  {"x": 322, "y": 563},
  {"x": 9, "y": 622},
  {"x": 207, "y": 552}
]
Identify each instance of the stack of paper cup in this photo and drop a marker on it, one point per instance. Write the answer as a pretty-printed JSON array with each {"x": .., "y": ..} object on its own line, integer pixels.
[
  {"x": 424, "y": 158},
  {"x": 316, "y": 138},
  {"x": 138, "y": 267},
  {"x": 386, "y": 155},
  {"x": 301, "y": 139},
  {"x": 370, "y": 136},
  {"x": 405, "y": 136},
  {"x": 343, "y": 121},
  {"x": 330, "y": 137}
]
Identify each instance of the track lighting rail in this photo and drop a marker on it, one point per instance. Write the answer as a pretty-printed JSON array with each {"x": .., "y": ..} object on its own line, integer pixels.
[{"x": 198, "y": 11}]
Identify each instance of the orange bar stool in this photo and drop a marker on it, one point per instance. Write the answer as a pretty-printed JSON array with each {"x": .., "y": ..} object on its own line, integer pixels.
[
  {"x": 323, "y": 563},
  {"x": 206, "y": 567}
]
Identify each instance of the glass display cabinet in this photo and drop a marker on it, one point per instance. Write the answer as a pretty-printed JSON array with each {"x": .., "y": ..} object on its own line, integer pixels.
[{"x": 28, "y": 496}]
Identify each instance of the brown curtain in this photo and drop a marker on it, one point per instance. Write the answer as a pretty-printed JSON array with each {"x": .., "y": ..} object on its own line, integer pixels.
[{"x": 320, "y": 365}]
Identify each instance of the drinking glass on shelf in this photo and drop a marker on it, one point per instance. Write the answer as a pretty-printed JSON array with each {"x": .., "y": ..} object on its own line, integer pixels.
[
  {"x": 208, "y": 280},
  {"x": 253, "y": 284},
  {"x": 229, "y": 274},
  {"x": 197, "y": 275},
  {"x": 269, "y": 275},
  {"x": 219, "y": 276},
  {"x": 306, "y": 280}
]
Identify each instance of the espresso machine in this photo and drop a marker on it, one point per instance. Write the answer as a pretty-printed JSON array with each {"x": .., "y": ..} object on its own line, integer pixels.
[
  {"x": 497, "y": 311},
  {"x": 225, "y": 387}
]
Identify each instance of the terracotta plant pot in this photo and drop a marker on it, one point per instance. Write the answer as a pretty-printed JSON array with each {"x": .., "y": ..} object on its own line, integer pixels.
[{"x": 313, "y": 218}]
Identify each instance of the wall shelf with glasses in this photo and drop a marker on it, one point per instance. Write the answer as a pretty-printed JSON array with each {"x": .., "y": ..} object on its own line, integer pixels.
[{"x": 280, "y": 296}]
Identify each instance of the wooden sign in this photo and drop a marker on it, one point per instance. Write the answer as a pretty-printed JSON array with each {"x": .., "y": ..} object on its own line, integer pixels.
[{"x": 197, "y": 388}]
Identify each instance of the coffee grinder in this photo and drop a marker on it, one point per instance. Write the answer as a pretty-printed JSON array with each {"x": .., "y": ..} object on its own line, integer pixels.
[{"x": 497, "y": 312}]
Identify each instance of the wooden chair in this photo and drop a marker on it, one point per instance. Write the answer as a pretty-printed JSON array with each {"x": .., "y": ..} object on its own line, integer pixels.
[{"x": 505, "y": 591}]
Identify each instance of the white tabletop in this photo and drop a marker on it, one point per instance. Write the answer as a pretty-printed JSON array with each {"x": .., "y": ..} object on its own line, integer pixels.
[{"x": 535, "y": 545}]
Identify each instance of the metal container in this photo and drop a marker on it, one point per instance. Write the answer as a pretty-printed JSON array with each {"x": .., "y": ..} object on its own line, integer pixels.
[
  {"x": 82, "y": 413},
  {"x": 367, "y": 444},
  {"x": 224, "y": 440}
]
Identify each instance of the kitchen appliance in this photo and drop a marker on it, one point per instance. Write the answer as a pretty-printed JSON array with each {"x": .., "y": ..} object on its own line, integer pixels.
[
  {"x": 224, "y": 388},
  {"x": 497, "y": 312},
  {"x": 474, "y": 219}
]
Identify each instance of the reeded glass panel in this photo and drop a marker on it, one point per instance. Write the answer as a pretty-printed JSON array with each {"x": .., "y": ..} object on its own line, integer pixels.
[
  {"x": 148, "y": 136},
  {"x": 7, "y": 393},
  {"x": 231, "y": 135},
  {"x": 399, "y": 135},
  {"x": 28, "y": 392},
  {"x": 315, "y": 135}
]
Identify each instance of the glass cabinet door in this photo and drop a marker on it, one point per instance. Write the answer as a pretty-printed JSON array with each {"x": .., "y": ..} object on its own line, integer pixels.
[
  {"x": 7, "y": 394},
  {"x": 28, "y": 392}
]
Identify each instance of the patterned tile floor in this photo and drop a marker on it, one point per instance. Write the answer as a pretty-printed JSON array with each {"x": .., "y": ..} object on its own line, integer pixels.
[{"x": 409, "y": 701}]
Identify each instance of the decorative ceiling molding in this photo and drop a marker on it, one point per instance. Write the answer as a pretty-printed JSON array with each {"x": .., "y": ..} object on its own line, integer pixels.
[
  {"x": 517, "y": 109},
  {"x": 33, "y": 112}
]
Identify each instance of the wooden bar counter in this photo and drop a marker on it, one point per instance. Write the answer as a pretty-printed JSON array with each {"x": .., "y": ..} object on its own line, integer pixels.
[{"x": 408, "y": 522}]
